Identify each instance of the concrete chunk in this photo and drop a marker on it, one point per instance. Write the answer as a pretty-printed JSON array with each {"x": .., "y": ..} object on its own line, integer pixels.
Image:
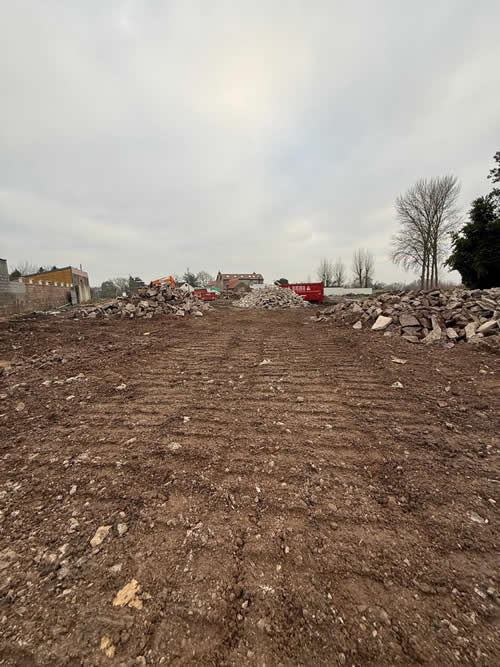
[
  {"x": 487, "y": 326},
  {"x": 381, "y": 323},
  {"x": 433, "y": 337},
  {"x": 408, "y": 320},
  {"x": 470, "y": 330}
]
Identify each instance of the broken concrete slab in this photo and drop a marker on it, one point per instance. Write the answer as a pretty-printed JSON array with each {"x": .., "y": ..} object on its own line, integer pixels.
[
  {"x": 433, "y": 336},
  {"x": 381, "y": 323},
  {"x": 487, "y": 326},
  {"x": 408, "y": 320},
  {"x": 470, "y": 330}
]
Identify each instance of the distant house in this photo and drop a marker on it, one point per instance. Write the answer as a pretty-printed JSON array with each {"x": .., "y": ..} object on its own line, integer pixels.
[
  {"x": 68, "y": 275},
  {"x": 223, "y": 279},
  {"x": 237, "y": 285}
]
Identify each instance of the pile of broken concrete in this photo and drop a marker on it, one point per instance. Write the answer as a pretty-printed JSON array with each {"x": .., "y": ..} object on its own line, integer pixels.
[
  {"x": 272, "y": 298},
  {"x": 147, "y": 302},
  {"x": 447, "y": 316}
]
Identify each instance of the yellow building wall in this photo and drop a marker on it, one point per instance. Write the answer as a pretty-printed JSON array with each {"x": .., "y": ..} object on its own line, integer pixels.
[{"x": 59, "y": 276}]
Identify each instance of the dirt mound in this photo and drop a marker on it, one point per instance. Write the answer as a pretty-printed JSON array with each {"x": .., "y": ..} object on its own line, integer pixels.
[
  {"x": 148, "y": 302},
  {"x": 426, "y": 316},
  {"x": 272, "y": 298}
]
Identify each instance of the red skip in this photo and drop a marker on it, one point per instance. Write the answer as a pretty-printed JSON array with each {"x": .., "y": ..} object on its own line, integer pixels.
[{"x": 309, "y": 291}]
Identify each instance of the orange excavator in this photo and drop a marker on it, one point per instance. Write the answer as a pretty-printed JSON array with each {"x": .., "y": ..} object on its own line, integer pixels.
[{"x": 162, "y": 281}]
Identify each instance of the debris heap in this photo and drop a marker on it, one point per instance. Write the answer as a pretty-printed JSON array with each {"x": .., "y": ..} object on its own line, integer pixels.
[
  {"x": 272, "y": 298},
  {"x": 230, "y": 295},
  {"x": 148, "y": 302},
  {"x": 425, "y": 316}
]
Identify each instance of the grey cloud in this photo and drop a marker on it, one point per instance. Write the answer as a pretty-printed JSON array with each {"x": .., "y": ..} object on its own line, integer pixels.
[{"x": 146, "y": 137}]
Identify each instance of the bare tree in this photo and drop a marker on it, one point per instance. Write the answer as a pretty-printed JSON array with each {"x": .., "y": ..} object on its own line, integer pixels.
[
  {"x": 427, "y": 215},
  {"x": 26, "y": 268},
  {"x": 339, "y": 274},
  {"x": 203, "y": 278},
  {"x": 325, "y": 272},
  {"x": 121, "y": 284},
  {"x": 357, "y": 266},
  {"x": 363, "y": 266},
  {"x": 368, "y": 269}
]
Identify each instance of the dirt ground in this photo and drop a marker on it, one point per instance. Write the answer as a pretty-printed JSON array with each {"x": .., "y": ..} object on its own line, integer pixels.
[{"x": 298, "y": 512}]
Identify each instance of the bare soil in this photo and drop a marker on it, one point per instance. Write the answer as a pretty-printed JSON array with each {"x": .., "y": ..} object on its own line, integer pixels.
[{"x": 297, "y": 512}]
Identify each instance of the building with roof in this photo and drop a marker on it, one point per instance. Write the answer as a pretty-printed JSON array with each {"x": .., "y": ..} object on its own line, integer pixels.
[
  {"x": 223, "y": 279},
  {"x": 238, "y": 286},
  {"x": 32, "y": 294},
  {"x": 67, "y": 275}
]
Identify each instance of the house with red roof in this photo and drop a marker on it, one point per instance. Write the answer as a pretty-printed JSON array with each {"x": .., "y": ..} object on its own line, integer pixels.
[{"x": 230, "y": 280}]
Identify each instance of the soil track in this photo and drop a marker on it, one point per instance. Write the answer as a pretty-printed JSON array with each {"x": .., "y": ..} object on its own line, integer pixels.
[{"x": 301, "y": 511}]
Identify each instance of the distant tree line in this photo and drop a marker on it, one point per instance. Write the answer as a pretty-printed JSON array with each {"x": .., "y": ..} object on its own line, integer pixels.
[
  {"x": 200, "y": 279},
  {"x": 26, "y": 268},
  {"x": 334, "y": 274},
  {"x": 113, "y": 287}
]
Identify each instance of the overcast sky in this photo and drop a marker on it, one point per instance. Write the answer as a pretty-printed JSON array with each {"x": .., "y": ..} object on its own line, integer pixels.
[{"x": 147, "y": 136}]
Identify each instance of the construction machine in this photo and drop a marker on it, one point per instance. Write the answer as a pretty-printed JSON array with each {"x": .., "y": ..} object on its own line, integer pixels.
[{"x": 162, "y": 281}]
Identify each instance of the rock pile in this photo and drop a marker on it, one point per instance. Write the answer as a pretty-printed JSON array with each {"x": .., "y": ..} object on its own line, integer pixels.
[
  {"x": 425, "y": 316},
  {"x": 272, "y": 298},
  {"x": 230, "y": 295},
  {"x": 148, "y": 302}
]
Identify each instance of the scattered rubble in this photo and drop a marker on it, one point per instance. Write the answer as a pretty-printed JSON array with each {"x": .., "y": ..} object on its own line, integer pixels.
[
  {"x": 147, "y": 302},
  {"x": 272, "y": 298},
  {"x": 426, "y": 317}
]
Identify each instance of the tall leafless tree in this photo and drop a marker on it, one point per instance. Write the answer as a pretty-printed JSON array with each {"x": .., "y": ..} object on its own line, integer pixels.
[
  {"x": 368, "y": 269},
  {"x": 203, "y": 278},
  {"x": 339, "y": 274},
  {"x": 363, "y": 267},
  {"x": 325, "y": 272},
  {"x": 427, "y": 215},
  {"x": 357, "y": 266}
]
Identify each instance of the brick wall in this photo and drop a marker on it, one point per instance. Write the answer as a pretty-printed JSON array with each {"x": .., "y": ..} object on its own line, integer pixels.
[
  {"x": 70, "y": 275},
  {"x": 20, "y": 297},
  {"x": 45, "y": 297}
]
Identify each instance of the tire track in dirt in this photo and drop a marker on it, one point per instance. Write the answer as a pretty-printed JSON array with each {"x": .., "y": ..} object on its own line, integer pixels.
[{"x": 265, "y": 528}]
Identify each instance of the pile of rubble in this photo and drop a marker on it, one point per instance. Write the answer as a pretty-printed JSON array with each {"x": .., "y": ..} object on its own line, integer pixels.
[
  {"x": 148, "y": 302},
  {"x": 272, "y": 298},
  {"x": 425, "y": 316},
  {"x": 230, "y": 295}
]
